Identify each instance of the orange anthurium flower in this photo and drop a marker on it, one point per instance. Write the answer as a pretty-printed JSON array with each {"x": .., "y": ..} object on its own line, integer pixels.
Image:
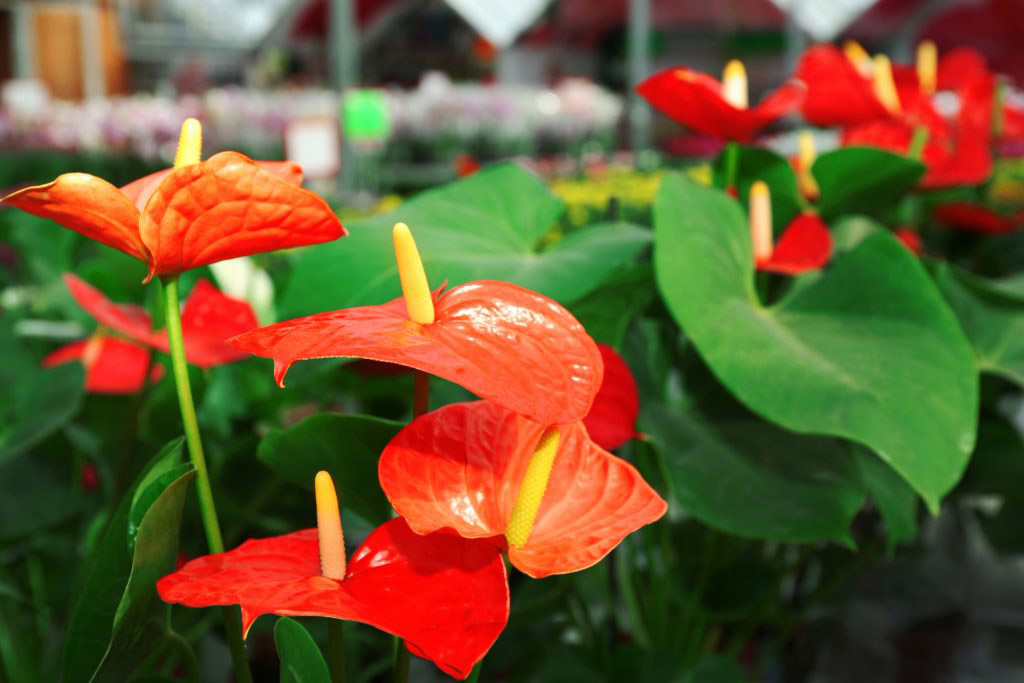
[
  {"x": 805, "y": 246},
  {"x": 446, "y": 596},
  {"x": 192, "y": 216},
  {"x": 500, "y": 341},
  {"x": 610, "y": 422},
  {"x": 208, "y": 319},
  {"x": 719, "y": 109},
  {"x": 112, "y": 366},
  {"x": 559, "y": 501}
]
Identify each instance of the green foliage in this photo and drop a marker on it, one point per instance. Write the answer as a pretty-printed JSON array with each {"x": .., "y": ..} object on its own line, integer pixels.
[
  {"x": 861, "y": 180},
  {"x": 490, "y": 226},
  {"x": 301, "y": 660},
  {"x": 868, "y": 351}
]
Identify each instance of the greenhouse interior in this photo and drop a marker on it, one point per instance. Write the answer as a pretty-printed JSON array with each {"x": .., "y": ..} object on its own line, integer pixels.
[{"x": 512, "y": 341}]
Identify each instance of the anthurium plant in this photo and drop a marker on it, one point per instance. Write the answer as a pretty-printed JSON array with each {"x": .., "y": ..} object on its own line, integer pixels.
[{"x": 656, "y": 451}]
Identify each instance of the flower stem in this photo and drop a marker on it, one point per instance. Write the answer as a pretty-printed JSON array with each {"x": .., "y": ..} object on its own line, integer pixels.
[
  {"x": 474, "y": 676},
  {"x": 401, "y": 662},
  {"x": 207, "y": 509},
  {"x": 336, "y": 649},
  {"x": 732, "y": 163}
]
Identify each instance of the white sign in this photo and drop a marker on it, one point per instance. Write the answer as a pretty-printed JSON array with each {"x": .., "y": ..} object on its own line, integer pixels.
[
  {"x": 314, "y": 143},
  {"x": 823, "y": 20},
  {"x": 499, "y": 21}
]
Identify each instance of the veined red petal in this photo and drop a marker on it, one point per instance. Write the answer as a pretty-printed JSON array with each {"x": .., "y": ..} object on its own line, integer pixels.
[
  {"x": 446, "y": 596},
  {"x": 806, "y": 245},
  {"x": 208, "y": 319},
  {"x": 695, "y": 100},
  {"x": 88, "y": 205},
  {"x": 118, "y": 366},
  {"x": 837, "y": 94},
  {"x": 227, "y": 207},
  {"x": 502, "y": 342},
  {"x": 459, "y": 468},
  {"x": 611, "y": 420},
  {"x": 126, "y": 319},
  {"x": 139, "y": 191}
]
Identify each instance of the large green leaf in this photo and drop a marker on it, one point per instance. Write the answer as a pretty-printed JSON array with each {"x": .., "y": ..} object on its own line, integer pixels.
[
  {"x": 607, "y": 311},
  {"x": 862, "y": 180},
  {"x": 750, "y": 478},
  {"x": 301, "y": 659},
  {"x": 993, "y": 317},
  {"x": 490, "y": 226},
  {"x": 896, "y": 501},
  {"x": 347, "y": 446},
  {"x": 117, "y": 616},
  {"x": 43, "y": 402},
  {"x": 869, "y": 351}
]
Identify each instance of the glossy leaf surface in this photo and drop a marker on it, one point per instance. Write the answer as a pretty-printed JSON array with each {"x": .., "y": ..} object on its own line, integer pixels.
[
  {"x": 108, "y": 613},
  {"x": 748, "y": 477},
  {"x": 862, "y": 180},
  {"x": 301, "y": 659},
  {"x": 993, "y": 318},
  {"x": 502, "y": 342},
  {"x": 695, "y": 100},
  {"x": 347, "y": 446},
  {"x": 446, "y": 596},
  {"x": 869, "y": 351},
  {"x": 28, "y": 416},
  {"x": 612, "y": 418},
  {"x": 489, "y": 226},
  {"x": 460, "y": 467}
]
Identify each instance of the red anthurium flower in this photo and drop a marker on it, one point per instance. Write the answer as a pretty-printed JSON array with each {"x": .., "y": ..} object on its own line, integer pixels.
[
  {"x": 112, "y": 366},
  {"x": 502, "y": 342},
  {"x": 611, "y": 419},
  {"x": 445, "y": 595},
  {"x": 208, "y": 319},
  {"x": 189, "y": 216},
  {"x": 960, "y": 66},
  {"x": 559, "y": 500},
  {"x": 89, "y": 476},
  {"x": 806, "y": 244},
  {"x": 975, "y": 218},
  {"x": 700, "y": 102},
  {"x": 910, "y": 239},
  {"x": 838, "y": 92}
]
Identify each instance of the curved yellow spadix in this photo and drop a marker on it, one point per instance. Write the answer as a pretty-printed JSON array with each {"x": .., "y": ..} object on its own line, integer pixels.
[
  {"x": 328, "y": 528},
  {"x": 884, "y": 85},
  {"x": 927, "y": 66},
  {"x": 418, "y": 301},
  {"x": 190, "y": 143},
  {"x": 532, "y": 488},
  {"x": 807, "y": 154},
  {"x": 858, "y": 56},
  {"x": 734, "y": 84},
  {"x": 761, "y": 220}
]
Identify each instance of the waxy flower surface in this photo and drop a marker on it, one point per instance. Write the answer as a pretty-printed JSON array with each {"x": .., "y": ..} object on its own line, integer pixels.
[
  {"x": 805, "y": 246},
  {"x": 719, "y": 109},
  {"x": 446, "y": 596},
  {"x": 208, "y": 319},
  {"x": 192, "y": 216},
  {"x": 502, "y": 342},
  {"x": 610, "y": 422},
  {"x": 464, "y": 468}
]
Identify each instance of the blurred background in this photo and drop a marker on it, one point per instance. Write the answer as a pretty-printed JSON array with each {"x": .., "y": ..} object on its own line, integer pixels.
[{"x": 383, "y": 97}]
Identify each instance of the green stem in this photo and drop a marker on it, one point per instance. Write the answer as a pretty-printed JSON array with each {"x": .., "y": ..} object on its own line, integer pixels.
[
  {"x": 400, "y": 665},
  {"x": 336, "y": 649},
  {"x": 732, "y": 163},
  {"x": 474, "y": 676},
  {"x": 207, "y": 509},
  {"x": 917, "y": 143}
]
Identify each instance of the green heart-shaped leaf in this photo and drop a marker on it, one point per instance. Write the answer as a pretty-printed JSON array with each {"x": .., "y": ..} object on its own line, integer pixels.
[
  {"x": 489, "y": 226},
  {"x": 868, "y": 351},
  {"x": 347, "y": 446},
  {"x": 756, "y": 163},
  {"x": 118, "y": 617},
  {"x": 301, "y": 659},
  {"x": 748, "y": 477},
  {"x": 896, "y": 501},
  {"x": 992, "y": 314},
  {"x": 862, "y": 180}
]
